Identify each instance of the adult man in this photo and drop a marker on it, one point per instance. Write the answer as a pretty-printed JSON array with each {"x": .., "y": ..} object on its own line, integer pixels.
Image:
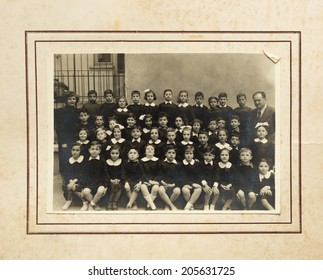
[{"x": 263, "y": 114}]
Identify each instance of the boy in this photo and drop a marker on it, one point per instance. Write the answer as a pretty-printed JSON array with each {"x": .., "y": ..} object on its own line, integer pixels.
[
  {"x": 162, "y": 123},
  {"x": 171, "y": 136},
  {"x": 136, "y": 142},
  {"x": 203, "y": 139},
  {"x": 235, "y": 128},
  {"x": 83, "y": 122},
  {"x": 245, "y": 180},
  {"x": 168, "y": 178},
  {"x": 234, "y": 152},
  {"x": 169, "y": 107},
  {"x": 99, "y": 123},
  {"x": 225, "y": 111},
  {"x": 107, "y": 108},
  {"x": 199, "y": 109},
  {"x": 91, "y": 106},
  {"x": 135, "y": 108},
  {"x": 213, "y": 136},
  {"x": 131, "y": 122},
  {"x": 97, "y": 178}
]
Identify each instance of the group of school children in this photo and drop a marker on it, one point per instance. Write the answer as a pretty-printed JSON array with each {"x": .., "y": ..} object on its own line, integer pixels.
[{"x": 164, "y": 150}]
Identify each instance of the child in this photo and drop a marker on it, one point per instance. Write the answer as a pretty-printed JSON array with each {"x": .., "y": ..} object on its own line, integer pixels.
[
  {"x": 235, "y": 128},
  {"x": 91, "y": 106},
  {"x": 97, "y": 178},
  {"x": 221, "y": 123},
  {"x": 117, "y": 139},
  {"x": 212, "y": 130},
  {"x": 135, "y": 107},
  {"x": 121, "y": 113},
  {"x": 156, "y": 142},
  {"x": 162, "y": 123},
  {"x": 136, "y": 142},
  {"x": 150, "y": 165},
  {"x": 131, "y": 122},
  {"x": 265, "y": 185},
  {"x": 114, "y": 164},
  {"x": 213, "y": 111},
  {"x": 107, "y": 108},
  {"x": 150, "y": 107},
  {"x": 133, "y": 175},
  {"x": 171, "y": 139},
  {"x": 223, "y": 136},
  {"x": 179, "y": 125},
  {"x": 225, "y": 111},
  {"x": 191, "y": 178},
  {"x": 101, "y": 136},
  {"x": 199, "y": 109},
  {"x": 148, "y": 124},
  {"x": 196, "y": 127},
  {"x": 262, "y": 147},
  {"x": 203, "y": 139},
  {"x": 187, "y": 132},
  {"x": 73, "y": 176},
  {"x": 84, "y": 142},
  {"x": 169, "y": 107},
  {"x": 169, "y": 179},
  {"x": 234, "y": 152},
  {"x": 244, "y": 114},
  {"x": 245, "y": 180},
  {"x": 226, "y": 179},
  {"x": 83, "y": 122},
  {"x": 210, "y": 175},
  {"x": 185, "y": 109},
  {"x": 99, "y": 123}
]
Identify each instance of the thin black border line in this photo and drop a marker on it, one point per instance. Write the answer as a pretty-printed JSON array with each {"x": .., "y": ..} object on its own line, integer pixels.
[
  {"x": 185, "y": 32},
  {"x": 291, "y": 129},
  {"x": 37, "y": 135},
  {"x": 300, "y": 130}
]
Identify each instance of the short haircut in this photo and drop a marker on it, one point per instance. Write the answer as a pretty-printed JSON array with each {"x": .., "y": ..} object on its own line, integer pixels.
[
  {"x": 220, "y": 119},
  {"x": 131, "y": 115},
  {"x": 136, "y": 127},
  {"x": 245, "y": 150},
  {"x": 168, "y": 89},
  {"x": 149, "y": 91},
  {"x": 213, "y": 120},
  {"x": 96, "y": 143},
  {"x": 235, "y": 134},
  {"x": 125, "y": 99},
  {"x": 235, "y": 117},
  {"x": 108, "y": 91},
  {"x": 199, "y": 94},
  {"x": 154, "y": 128},
  {"x": 204, "y": 132},
  {"x": 211, "y": 98},
  {"x": 100, "y": 129},
  {"x": 135, "y": 92},
  {"x": 241, "y": 94},
  {"x": 209, "y": 149},
  {"x": 222, "y": 94},
  {"x": 197, "y": 121},
  {"x": 92, "y": 92},
  {"x": 170, "y": 147},
  {"x": 263, "y": 94},
  {"x": 96, "y": 116},
  {"x": 148, "y": 116},
  {"x": 83, "y": 110},
  {"x": 162, "y": 114},
  {"x": 189, "y": 148},
  {"x": 170, "y": 129},
  {"x": 76, "y": 144}
]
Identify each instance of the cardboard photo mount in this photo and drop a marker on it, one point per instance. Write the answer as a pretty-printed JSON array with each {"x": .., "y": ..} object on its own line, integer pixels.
[{"x": 283, "y": 49}]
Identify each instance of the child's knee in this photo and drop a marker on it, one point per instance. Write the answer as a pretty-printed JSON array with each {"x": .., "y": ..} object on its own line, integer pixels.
[
  {"x": 186, "y": 190},
  {"x": 240, "y": 193},
  {"x": 215, "y": 191},
  {"x": 161, "y": 189},
  {"x": 86, "y": 191},
  {"x": 101, "y": 191},
  {"x": 154, "y": 189},
  {"x": 252, "y": 196},
  {"x": 177, "y": 191}
]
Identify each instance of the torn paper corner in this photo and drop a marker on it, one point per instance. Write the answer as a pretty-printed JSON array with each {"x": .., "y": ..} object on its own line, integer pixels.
[{"x": 272, "y": 57}]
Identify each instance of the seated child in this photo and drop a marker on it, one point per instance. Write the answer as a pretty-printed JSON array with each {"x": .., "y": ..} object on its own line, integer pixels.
[
  {"x": 97, "y": 178},
  {"x": 191, "y": 178},
  {"x": 114, "y": 164},
  {"x": 210, "y": 176},
  {"x": 84, "y": 142},
  {"x": 73, "y": 176},
  {"x": 108, "y": 107},
  {"x": 245, "y": 180},
  {"x": 265, "y": 185},
  {"x": 185, "y": 109},
  {"x": 135, "y": 108},
  {"x": 121, "y": 113},
  {"x": 200, "y": 110},
  {"x": 169, "y": 180},
  {"x": 156, "y": 142}
]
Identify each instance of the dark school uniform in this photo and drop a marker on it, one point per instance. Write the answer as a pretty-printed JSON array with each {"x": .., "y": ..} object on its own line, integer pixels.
[
  {"x": 209, "y": 172},
  {"x": 190, "y": 172},
  {"x": 175, "y": 144},
  {"x": 121, "y": 115},
  {"x": 159, "y": 147},
  {"x": 92, "y": 136},
  {"x": 97, "y": 174},
  {"x": 179, "y": 134},
  {"x": 262, "y": 149},
  {"x": 146, "y": 134},
  {"x": 181, "y": 149},
  {"x": 107, "y": 110},
  {"x": 213, "y": 137},
  {"x": 186, "y": 110},
  {"x": 151, "y": 109},
  {"x": 266, "y": 180},
  {"x": 169, "y": 173},
  {"x": 122, "y": 143},
  {"x": 85, "y": 148},
  {"x": 200, "y": 112},
  {"x": 150, "y": 167},
  {"x": 234, "y": 155},
  {"x": 171, "y": 110},
  {"x": 244, "y": 115},
  {"x": 218, "y": 147},
  {"x": 162, "y": 134},
  {"x": 138, "y": 144},
  {"x": 225, "y": 112},
  {"x": 132, "y": 172},
  {"x": 199, "y": 151},
  {"x": 227, "y": 177},
  {"x": 245, "y": 178},
  {"x": 93, "y": 109},
  {"x": 136, "y": 109},
  {"x": 114, "y": 170},
  {"x": 212, "y": 113}
]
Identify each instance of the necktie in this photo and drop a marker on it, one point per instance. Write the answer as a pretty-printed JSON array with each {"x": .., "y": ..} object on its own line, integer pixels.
[{"x": 258, "y": 114}]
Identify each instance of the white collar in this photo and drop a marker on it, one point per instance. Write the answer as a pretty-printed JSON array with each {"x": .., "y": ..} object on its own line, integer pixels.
[
  {"x": 122, "y": 110},
  {"x": 150, "y": 104},
  {"x": 225, "y": 165},
  {"x": 264, "y": 141},
  {"x": 170, "y": 143},
  {"x": 206, "y": 163},
  {"x": 179, "y": 130},
  {"x": 199, "y": 105},
  {"x": 173, "y": 161},
  {"x": 97, "y": 157},
  {"x": 212, "y": 133},
  {"x": 115, "y": 141},
  {"x": 222, "y": 146},
  {"x": 145, "y": 130},
  {"x": 136, "y": 140},
  {"x": 114, "y": 163},
  {"x": 168, "y": 102},
  {"x": 220, "y": 106},
  {"x": 195, "y": 134},
  {"x": 156, "y": 142},
  {"x": 109, "y": 132},
  {"x": 79, "y": 160},
  {"x": 266, "y": 176},
  {"x": 186, "y": 143},
  {"x": 185, "y": 162},
  {"x": 183, "y": 104},
  {"x": 145, "y": 159},
  {"x": 85, "y": 142}
]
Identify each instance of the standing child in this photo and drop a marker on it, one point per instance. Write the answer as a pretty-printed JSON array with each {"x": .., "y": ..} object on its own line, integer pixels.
[
  {"x": 108, "y": 107},
  {"x": 121, "y": 113},
  {"x": 114, "y": 164},
  {"x": 156, "y": 142},
  {"x": 148, "y": 124},
  {"x": 185, "y": 109},
  {"x": 226, "y": 179},
  {"x": 150, "y": 106},
  {"x": 245, "y": 180},
  {"x": 212, "y": 130},
  {"x": 210, "y": 182},
  {"x": 225, "y": 111},
  {"x": 168, "y": 177},
  {"x": 236, "y": 128},
  {"x": 135, "y": 107},
  {"x": 200, "y": 110},
  {"x": 191, "y": 178},
  {"x": 73, "y": 176},
  {"x": 92, "y": 106},
  {"x": 162, "y": 126},
  {"x": 265, "y": 185},
  {"x": 213, "y": 111},
  {"x": 97, "y": 178},
  {"x": 169, "y": 107}
]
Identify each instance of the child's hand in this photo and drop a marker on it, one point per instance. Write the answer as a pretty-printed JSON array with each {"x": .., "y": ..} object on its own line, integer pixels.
[
  {"x": 152, "y": 182},
  {"x": 265, "y": 191},
  {"x": 227, "y": 187},
  {"x": 137, "y": 187},
  {"x": 127, "y": 186},
  {"x": 64, "y": 145},
  {"x": 71, "y": 186},
  {"x": 164, "y": 184}
]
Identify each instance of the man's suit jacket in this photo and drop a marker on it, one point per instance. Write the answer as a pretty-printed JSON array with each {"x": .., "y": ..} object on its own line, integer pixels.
[{"x": 268, "y": 116}]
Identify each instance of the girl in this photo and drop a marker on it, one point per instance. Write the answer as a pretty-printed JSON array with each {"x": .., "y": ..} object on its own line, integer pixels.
[
  {"x": 150, "y": 107},
  {"x": 121, "y": 113},
  {"x": 148, "y": 124},
  {"x": 185, "y": 109},
  {"x": 226, "y": 179},
  {"x": 150, "y": 165},
  {"x": 156, "y": 142},
  {"x": 213, "y": 112},
  {"x": 84, "y": 142},
  {"x": 114, "y": 164},
  {"x": 101, "y": 136},
  {"x": 222, "y": 136},
  {"x": 112, "y": 122},
  {"x": 179, "y": 125},
  {"x": 117, "y": 139},
  {"x": 196, "y": 127},
  {"x": 265, "y": 185},
  {"x": 186, "y": 141},
  {"x": 191, "y": 176}
]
